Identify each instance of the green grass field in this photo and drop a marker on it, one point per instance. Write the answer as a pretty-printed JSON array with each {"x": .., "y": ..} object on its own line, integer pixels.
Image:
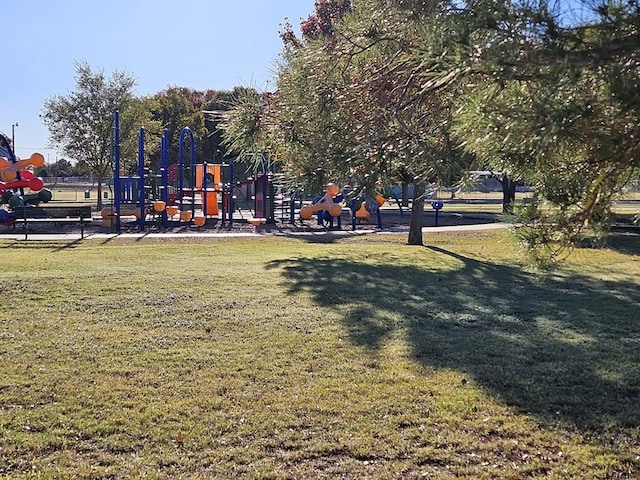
[{"x": 355, "y": 358}]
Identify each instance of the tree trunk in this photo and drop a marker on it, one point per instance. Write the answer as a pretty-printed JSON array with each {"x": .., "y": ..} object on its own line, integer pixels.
[
  {"x": 508, "y": 194},
  {"x": 99, "y": 194},
  {"x": 405, "y": 194},
  {"x": 417, "y": 214}
]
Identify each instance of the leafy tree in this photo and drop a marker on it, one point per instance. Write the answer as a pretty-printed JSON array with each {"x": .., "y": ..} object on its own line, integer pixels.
[
  {"x": 59, "y": 168},
  {"x": 179, "y": 107},
  {"x": 375, "y": 87},
  {"x": 241, "y": 128},
  {"x": 307, "y": 128},
  {"x": 138, "y": 115},
  {"x": 215, "y": 106},
  {"x": 173, "y": 109},
  {"x": 81, "y": 123}
]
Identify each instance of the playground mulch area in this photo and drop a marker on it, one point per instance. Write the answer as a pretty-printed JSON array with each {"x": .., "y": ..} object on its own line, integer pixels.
[{"x": 391, "y": 221}]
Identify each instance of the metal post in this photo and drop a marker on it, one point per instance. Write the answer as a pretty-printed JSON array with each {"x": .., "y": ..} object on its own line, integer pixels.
[
  {"x": 292, "y": 208},
  {"x": 264, "y": 195},
  {"x": 231, "y": 206},
  {"x": 204, "y": 190},
  {"x": 13, "y": 136},
  {"x": 164, "y": 173},
  {"x": 116, "y": 173},
  {"x": 354, "y": 210},
  {"x": 183, "y": 132},
  {"x": 141, "y": 180}
]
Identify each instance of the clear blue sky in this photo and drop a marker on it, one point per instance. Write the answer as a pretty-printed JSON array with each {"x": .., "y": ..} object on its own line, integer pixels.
[{"x": 201, "y": 44}]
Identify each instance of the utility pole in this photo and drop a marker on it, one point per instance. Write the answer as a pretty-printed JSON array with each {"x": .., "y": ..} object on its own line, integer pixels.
[{"x": 13, "y": 136}]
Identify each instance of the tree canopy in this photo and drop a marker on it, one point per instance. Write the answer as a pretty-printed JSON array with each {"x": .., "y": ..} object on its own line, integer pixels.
[
  {"x": 559, "y": 112},
  {"x": 81, "y": 123},
  {"x": 542, "y": 92}
]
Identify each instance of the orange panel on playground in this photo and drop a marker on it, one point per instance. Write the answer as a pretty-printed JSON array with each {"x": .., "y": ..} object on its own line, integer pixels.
[
  {"x": 211, "y": 196},
  {"x": 214, "y": 170},
  {"x": 212, "y": 203}
]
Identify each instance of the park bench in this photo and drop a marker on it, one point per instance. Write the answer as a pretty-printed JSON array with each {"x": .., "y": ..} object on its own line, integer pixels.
[{"x": 54, "y": 215}]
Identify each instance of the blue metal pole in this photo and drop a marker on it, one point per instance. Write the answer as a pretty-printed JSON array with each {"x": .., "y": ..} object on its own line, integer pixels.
[
  {"x": 223, "y": 192},
  {"x": 264, "y": 195},
  {"x": 141, "y": 181},
  {"x": 354, "y": 209},
  {"x": 116, "y": 173},
  {"x": 231, "y": 183},
  {"x": 183, "y": 132},
  {"x": 192, "y": 146},
  {"x": 164, "y": 172},
  {"x": 292, "y": 208},
  {"x": 203, "y": 187},
  {"x": 181, "y": 171}
]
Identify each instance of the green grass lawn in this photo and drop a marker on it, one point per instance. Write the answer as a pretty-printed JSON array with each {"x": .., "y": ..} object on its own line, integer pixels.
[{"x": 353, "y": 358}]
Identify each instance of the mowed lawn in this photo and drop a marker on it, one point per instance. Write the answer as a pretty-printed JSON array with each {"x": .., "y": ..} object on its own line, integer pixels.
[{"x": 281, "y": 358}]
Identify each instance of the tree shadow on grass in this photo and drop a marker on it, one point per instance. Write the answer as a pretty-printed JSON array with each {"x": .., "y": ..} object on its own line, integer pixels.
[
  {"x": 628, "y": 243},
  {"x": 565, "y": 348},
  {"x": 56, "y": 245}
]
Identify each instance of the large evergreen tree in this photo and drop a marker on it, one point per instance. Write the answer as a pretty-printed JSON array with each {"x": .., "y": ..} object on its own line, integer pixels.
[
  {"x": 348, "y": 108},
  {"x": 558, "y": 106},
  {"x": 537, "y": 91}
]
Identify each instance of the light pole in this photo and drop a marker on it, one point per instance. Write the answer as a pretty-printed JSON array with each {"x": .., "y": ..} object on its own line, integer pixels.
[{"x": 13, "y": 136}]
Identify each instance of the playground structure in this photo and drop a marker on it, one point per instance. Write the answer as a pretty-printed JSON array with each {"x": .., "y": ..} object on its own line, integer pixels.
[
  {"x": 184, "y": 193},
  {"x": 15, "y": 177},
  {"x": 328, "y": 208},
  {"x": 367, "y": 207},
  {"x": 191, "y": 193}
]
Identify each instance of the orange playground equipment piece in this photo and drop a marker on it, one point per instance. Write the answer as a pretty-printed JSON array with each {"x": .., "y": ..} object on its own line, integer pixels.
[
  {"x": 364, "y": 212},
  {"x": 9, "y": 170},
  {"x": 326, "y": 203},
  {"x": 109, "y": 217},
  {"x": 213, "y": 172}
]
